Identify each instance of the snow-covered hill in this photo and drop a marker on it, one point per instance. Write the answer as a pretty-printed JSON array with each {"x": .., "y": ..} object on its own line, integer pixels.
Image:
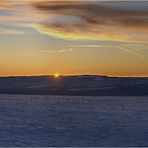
[{"x": 88, "y": 85}]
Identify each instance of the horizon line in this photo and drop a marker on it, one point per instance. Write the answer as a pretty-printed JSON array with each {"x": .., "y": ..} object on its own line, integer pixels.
[{"x": 72, "y": 75}]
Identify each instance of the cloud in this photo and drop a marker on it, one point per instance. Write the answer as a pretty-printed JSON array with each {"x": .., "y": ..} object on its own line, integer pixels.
[
  {"x": 57, "y": 51},
  {"x": 4, "y": 4},
  {"x": 81, "y": 20},
  {"x": 10, "y": 32},
  {"x": 91, "y": 46},
  {"x": 65, "y": 50},
  {"x": 47, "y": 51},
  {"x": 124, "y": 48},
  {"x": 20, "y": 12},
  {"x": 92, "y": 20},
  {"x": 70, "y": 32}
]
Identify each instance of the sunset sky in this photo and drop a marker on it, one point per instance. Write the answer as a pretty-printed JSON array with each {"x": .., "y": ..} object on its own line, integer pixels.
[{"x": 40, "y": 37}]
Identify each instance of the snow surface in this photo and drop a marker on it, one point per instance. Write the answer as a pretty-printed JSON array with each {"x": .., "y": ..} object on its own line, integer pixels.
[{"x": 73, "y": 121}]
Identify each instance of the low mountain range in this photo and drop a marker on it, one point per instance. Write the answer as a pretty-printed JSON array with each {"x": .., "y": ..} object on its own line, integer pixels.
[{"x": 83, "y": 85}]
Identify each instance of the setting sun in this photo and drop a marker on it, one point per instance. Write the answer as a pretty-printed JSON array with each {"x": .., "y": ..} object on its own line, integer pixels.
[{"x": 56, "y": 75}]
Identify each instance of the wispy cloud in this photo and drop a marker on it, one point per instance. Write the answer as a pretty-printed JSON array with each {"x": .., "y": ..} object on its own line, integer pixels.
[
  {"x": 91, "y": 46},
  {"x": 10, "y": 32},
  {"x": 47, "y": 51},
  {"x": 57, "y": 51},
  {"x": 132, "y": 52},
  {"x": 65, "y": 50},
  {"x": 3, "y": 4},
  {"x": 124, "y": 48}
]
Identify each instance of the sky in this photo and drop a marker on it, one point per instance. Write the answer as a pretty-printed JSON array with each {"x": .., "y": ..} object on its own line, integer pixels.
[{"x": 42, "y": 37}]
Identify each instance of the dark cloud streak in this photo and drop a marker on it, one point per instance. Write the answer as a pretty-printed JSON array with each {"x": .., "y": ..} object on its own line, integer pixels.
[{"x": 93, "y": 17}]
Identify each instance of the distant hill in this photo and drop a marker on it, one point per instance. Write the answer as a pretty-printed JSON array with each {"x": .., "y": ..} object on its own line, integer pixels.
[{"x": 85, "y": 85}]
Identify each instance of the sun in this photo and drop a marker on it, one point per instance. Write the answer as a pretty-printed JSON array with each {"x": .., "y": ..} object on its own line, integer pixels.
[{"x": 56, "y": 75}]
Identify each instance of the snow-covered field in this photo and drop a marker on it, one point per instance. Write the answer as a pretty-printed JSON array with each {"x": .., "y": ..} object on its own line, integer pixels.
[{"x": 73, "y": 121}]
